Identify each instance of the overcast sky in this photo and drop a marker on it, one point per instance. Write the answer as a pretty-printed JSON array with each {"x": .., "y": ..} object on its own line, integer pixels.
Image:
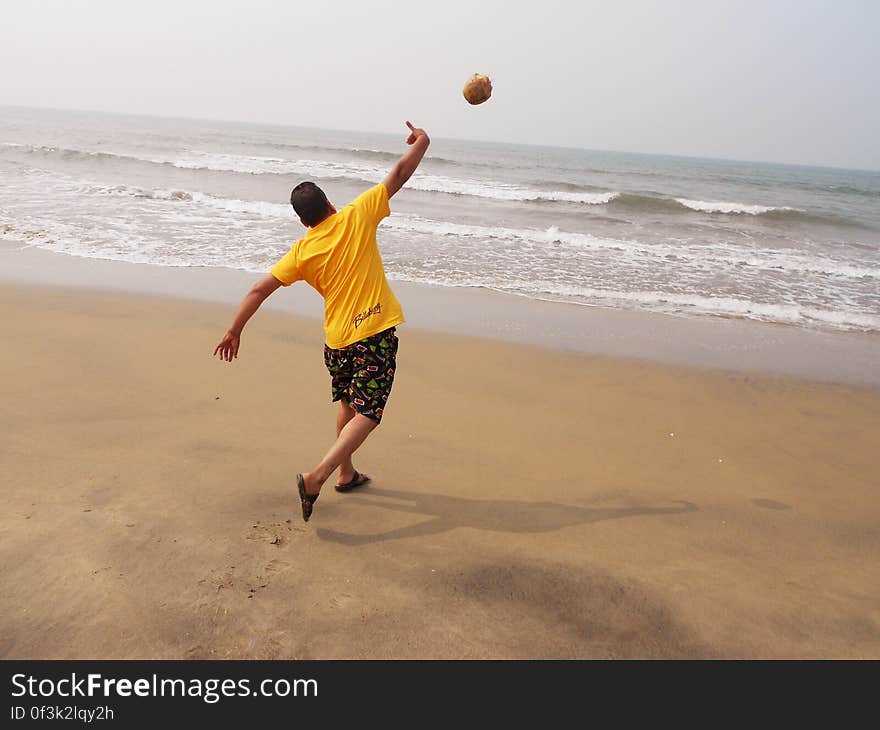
[{"x": 789, "y": 81}]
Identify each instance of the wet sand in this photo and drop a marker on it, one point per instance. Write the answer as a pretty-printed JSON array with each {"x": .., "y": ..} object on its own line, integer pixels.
[{"x": 525, "y": 503}]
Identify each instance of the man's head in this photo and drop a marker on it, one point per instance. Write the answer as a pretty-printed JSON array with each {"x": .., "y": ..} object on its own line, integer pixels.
[{"x": 310, "y": 204}]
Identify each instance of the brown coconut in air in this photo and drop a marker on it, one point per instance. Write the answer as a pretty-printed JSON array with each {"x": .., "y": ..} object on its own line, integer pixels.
[{"x": 477, "y": 89}]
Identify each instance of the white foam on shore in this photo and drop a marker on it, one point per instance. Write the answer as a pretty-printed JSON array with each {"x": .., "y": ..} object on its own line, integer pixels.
[
  {"x": 133, "y": 191},
  {"x": 664, "y": 302},
  {"x": 180, "y": 228},
  {"x": 758, "y": 258}
]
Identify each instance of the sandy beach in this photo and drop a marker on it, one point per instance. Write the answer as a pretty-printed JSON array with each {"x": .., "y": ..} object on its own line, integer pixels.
[{"x": 525, "y": 503}]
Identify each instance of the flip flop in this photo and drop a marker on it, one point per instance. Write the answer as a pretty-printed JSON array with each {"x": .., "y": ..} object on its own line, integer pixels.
[
  {"x": 356, "y": 481},
  {"x": 306, "y": 500}
]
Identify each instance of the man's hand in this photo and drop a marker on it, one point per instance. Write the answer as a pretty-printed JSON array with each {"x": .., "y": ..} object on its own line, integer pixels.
[
  {"x": 406, "y": 165},
  {"x": 415, "y": 133},
  {"x": 228, "y": 348}
]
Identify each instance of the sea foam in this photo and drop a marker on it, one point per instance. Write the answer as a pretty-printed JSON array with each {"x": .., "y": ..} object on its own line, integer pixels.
[{"x": 720, "y": 207}]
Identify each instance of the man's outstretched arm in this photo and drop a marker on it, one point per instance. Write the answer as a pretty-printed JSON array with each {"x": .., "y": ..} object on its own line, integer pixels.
[
  {"x": 228, "y": 348},
  {"x": 406, "y": 165}
]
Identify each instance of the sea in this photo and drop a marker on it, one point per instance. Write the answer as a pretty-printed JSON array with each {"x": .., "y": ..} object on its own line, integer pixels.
[{"x": 793, "y": 245}]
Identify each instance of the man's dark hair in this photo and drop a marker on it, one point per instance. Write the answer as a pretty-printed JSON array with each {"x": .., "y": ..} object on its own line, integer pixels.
[{"x": 310, "y": 203}]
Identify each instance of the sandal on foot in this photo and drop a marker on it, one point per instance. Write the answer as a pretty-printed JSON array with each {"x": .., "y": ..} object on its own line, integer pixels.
[
  {"x": 356, "y": 481},
  {"x": 306, "y": 500}
]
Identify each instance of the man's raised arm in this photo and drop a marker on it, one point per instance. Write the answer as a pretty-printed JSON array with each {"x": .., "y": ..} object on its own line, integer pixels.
[{"x": 406, "y": 165}]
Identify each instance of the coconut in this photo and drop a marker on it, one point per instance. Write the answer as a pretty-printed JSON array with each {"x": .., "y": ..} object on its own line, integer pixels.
[{"x": 477, "y": 89}]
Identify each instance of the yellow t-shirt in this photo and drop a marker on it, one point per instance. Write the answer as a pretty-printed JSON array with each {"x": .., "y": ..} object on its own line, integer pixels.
[{"x": 340, "y": 259}]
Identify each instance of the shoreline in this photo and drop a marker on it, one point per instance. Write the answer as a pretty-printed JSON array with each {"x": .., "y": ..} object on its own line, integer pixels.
[{"x": 715, "y": 343}]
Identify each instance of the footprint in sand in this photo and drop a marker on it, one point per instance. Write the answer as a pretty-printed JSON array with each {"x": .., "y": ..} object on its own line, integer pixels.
[
  {"x": 273, "y": 533},
  {"x": 275, "y": 566},
  {"x": 341, "y": 600},
  {"x": 261, "y": 581}
]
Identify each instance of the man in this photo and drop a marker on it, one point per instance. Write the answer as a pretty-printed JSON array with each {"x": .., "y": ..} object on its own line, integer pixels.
[{"x": 340, "y": 259}]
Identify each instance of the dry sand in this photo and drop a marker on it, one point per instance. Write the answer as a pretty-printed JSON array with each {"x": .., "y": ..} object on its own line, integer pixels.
[{"x": 526, "y": 503}]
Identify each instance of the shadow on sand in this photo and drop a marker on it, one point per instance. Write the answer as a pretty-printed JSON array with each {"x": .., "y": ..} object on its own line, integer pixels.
[{"x": 496, "y": 515}]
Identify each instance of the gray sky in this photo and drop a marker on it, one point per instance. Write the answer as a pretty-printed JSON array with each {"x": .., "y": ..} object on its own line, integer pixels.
[{"x": 780, "y": 80}]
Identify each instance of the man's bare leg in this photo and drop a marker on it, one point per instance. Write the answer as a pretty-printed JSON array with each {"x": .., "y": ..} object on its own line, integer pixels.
[
  {"x": 351, "y": 436},
  {"x": 343, "y": 416}
]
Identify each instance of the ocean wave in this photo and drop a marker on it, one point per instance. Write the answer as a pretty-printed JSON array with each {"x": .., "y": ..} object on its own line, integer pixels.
[
  {"x": 546, "y": 191},
  {"x": 368, "y": 153},
  {"x": 567, "y": 186},
  {"x": 736, "y": 208},
  {"x": 60, "y": 237},
  {"x": 660, "y": 203},
  {"x": 780, "y": 213},
  {"x": 325, "y": 169},
  {"x": 258, "y": 245},
  {"x": 331, "y": 170},
  {"x": 641, "y": 202},
  {"x": 657, "y": 203},
  {"x": 729, "y": 255},
  {"x": 849, "y": 190},
  {"x": 505, "y": 191},
  {"x": 73, "y": 152}
]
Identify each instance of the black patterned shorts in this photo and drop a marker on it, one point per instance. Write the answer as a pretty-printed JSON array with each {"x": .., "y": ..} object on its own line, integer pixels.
[{"x": 363, "y": 373}]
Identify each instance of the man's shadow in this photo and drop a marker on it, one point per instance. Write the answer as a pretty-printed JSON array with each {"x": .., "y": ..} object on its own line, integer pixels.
[{"x": 497, "y": 515}]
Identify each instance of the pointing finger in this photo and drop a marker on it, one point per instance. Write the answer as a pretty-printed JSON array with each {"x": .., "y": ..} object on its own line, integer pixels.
[{"x": 411, "y": 127}]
